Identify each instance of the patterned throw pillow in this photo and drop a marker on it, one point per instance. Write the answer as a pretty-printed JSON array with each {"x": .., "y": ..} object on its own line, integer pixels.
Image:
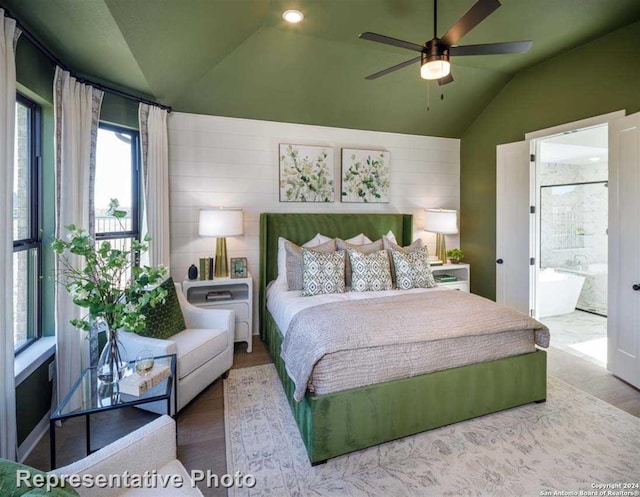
[
  {"x": 322, "y": 272},
  {"x": 370, "y": 272},
  {"x": 366, "y": 248},
  {"x": 391, "y": 245},
  {"x": 164, "y": 320},
  {"x": 413, "y": 269},
  {"x": 294, "y": 261}
]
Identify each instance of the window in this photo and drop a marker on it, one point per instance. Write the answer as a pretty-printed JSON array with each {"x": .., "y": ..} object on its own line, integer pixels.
[
  {"x": 117, "y": 177},
  {"x": 26, "y": 226}
]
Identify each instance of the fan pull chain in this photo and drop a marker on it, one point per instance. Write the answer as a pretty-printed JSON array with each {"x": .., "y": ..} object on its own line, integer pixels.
[{"x": 428, "y": 96}]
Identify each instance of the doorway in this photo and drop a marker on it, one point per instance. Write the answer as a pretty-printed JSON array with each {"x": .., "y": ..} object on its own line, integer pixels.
[{"x": 571, "y": 220}]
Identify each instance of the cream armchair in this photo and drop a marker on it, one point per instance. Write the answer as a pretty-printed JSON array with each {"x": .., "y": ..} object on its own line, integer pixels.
[
  {"x": 204, "y": 351},
  {"x": 148, "y": 449}
]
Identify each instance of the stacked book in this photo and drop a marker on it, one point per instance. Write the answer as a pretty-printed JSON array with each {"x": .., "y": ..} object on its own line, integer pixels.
[
  {"x": 445, "y": 278},
  {"x": 206, "y": 268},
  {"x": 216, "y": 295}
]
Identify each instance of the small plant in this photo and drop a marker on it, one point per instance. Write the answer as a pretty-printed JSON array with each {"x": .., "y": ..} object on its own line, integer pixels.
[{"x": 455, "y": 255}]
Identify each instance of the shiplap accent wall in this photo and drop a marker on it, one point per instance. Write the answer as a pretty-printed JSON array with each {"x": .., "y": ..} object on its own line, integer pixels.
[{"x": 221, "y": 161}]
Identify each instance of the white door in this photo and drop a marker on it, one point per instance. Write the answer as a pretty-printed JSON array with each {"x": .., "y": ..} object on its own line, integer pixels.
[
  {"x": 624, "y": 249},
  {"x": 513, "y": 217}
]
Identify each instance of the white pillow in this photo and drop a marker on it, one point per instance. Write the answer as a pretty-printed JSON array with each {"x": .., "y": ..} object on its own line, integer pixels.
[
  {"x": 282, "y": 261},
  {"x": 391, "y": 237},
  {"x": 317, "y": 240},
  {"x": 360, "y": 239},
  {"x": 282, "y": 255}
]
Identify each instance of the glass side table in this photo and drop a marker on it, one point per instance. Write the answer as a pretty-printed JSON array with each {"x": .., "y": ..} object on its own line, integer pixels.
[{"x": 89, "y": 395}]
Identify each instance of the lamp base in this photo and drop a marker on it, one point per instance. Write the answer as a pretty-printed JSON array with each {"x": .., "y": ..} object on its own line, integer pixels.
[
  {"x": 441, "y": 248},
  {"x": 221, "y": 268}
]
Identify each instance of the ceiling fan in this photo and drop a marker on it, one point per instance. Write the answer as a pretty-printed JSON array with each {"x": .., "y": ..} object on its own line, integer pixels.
[{"x": 435, "y": 53}]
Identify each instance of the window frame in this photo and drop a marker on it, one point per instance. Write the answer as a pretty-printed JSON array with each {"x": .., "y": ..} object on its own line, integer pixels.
[
  {"x": 34, "y": 241},
  {"x": 136, "y": 186}
]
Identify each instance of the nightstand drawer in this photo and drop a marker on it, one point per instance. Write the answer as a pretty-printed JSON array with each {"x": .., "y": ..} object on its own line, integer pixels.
[
  {"x": 241, "y": 308},
  {"x": 456, "y": 285},
  {"x": 242, "y": 331}
]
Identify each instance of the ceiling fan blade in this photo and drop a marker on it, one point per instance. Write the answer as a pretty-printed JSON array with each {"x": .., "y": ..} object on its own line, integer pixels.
[
  {"x": 492, "y": 48},
  {"x": 474, "y": 16},
  {"x": 446, "y": 80},
  {"x": 391, "y": 41},
  {"x": 393, "y": 68}
]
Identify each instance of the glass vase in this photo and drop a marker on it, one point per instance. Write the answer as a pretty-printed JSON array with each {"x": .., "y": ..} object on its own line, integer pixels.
[{"x": 113, "y": 362}]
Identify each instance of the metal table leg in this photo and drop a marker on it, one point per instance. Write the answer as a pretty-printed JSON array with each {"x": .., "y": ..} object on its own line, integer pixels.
[
  {"x": 52, "y": 442},
  {"x": 175, "y": 396},
  {"x": 88, "y": 433}
]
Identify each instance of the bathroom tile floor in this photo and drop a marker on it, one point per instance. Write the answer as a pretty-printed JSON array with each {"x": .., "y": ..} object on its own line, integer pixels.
[{"x": 581, "y": 334}]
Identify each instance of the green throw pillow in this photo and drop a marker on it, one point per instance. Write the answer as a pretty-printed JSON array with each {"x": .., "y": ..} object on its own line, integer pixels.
[
  {"x": 9, "y": 483},
  {"x": 164, "y": 320}
]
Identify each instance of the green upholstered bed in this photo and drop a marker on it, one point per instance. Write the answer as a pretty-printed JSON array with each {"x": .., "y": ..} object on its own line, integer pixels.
[{"x": 342, "y": 422}]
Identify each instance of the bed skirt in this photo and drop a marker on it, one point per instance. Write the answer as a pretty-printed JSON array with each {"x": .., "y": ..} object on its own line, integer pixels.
[{"x": 343, "y": 422}]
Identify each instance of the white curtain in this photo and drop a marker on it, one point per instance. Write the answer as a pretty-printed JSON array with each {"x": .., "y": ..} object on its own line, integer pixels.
[
  {"x": 76, "y": 110},
  {"x": 155, "y": 167},
  {"x": 8, "y": 38}
]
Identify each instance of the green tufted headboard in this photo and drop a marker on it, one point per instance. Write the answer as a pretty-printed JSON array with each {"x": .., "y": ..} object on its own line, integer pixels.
[{"x": 300, "y": 228}]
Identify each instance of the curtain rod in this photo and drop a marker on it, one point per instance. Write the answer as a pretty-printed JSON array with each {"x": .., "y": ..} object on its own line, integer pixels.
[{"x": 51, "y": 56}]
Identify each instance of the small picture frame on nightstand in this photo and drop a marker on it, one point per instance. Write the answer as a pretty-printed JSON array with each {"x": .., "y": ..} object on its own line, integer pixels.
[{"x": 238, "y": 267}]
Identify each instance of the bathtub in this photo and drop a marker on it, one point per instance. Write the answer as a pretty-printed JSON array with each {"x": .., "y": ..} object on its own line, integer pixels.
[
  {"x": 557, "y": 292},
  {"x": 594, "y": 292},
  {"x": 587, "y": 270}
]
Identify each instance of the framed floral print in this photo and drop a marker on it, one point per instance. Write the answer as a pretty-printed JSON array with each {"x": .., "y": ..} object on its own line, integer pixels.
[
  {"x": 238, "y": 267},
  {"x": 306, "y": 173},
  {"x": 365, "y": 176}
]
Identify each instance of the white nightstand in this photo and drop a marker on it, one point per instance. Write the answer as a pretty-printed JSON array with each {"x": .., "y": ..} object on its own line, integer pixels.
[
  {"x": 460, "y": 271},
  {"x": 240, "y": 301}
]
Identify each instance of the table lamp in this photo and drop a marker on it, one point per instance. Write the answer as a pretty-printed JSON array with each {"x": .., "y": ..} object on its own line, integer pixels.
[
  {"x": 443, "y": 222},
  {"x": 220, "y": 223}
]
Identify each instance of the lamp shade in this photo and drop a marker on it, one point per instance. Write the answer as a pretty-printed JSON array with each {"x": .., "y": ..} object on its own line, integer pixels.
[
  {"x": 435, "y": 69},
  {"x": 441, "y": 221},
  {"x": 220, "y": 222}
]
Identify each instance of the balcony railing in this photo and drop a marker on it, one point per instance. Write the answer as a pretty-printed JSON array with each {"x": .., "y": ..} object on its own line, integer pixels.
[{"x": 109, "y": 224}]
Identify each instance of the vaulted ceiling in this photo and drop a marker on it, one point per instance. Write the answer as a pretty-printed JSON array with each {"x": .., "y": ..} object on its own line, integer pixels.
[{"x": 239, "y": 58}]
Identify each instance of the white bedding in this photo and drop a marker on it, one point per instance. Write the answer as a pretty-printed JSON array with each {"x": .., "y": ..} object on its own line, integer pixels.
[{"x": 284, "y": 305}]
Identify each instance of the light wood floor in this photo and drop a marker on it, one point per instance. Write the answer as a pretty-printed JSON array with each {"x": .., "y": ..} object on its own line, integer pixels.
[{"x": 201, "y": 438}]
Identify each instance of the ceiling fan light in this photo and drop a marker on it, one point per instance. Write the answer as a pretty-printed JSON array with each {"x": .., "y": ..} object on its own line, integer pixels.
[
  {"x": 293, "y": 16},
  {"x": 435, "y": 69}
]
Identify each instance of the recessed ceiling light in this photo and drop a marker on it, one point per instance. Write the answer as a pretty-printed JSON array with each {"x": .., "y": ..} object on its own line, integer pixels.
[{"x": 292, "y": 16}]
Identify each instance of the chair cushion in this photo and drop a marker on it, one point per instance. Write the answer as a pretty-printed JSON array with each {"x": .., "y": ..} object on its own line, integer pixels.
[
  {"x": 164, "y": 320},
  {"x": 175, "y": 467},
  {"x": 195, "y": 347},
  {"x": 9, "y": 487}
]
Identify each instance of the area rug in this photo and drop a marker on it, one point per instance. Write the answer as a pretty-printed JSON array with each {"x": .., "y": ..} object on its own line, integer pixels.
[{"x": 572, "y": 442}]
